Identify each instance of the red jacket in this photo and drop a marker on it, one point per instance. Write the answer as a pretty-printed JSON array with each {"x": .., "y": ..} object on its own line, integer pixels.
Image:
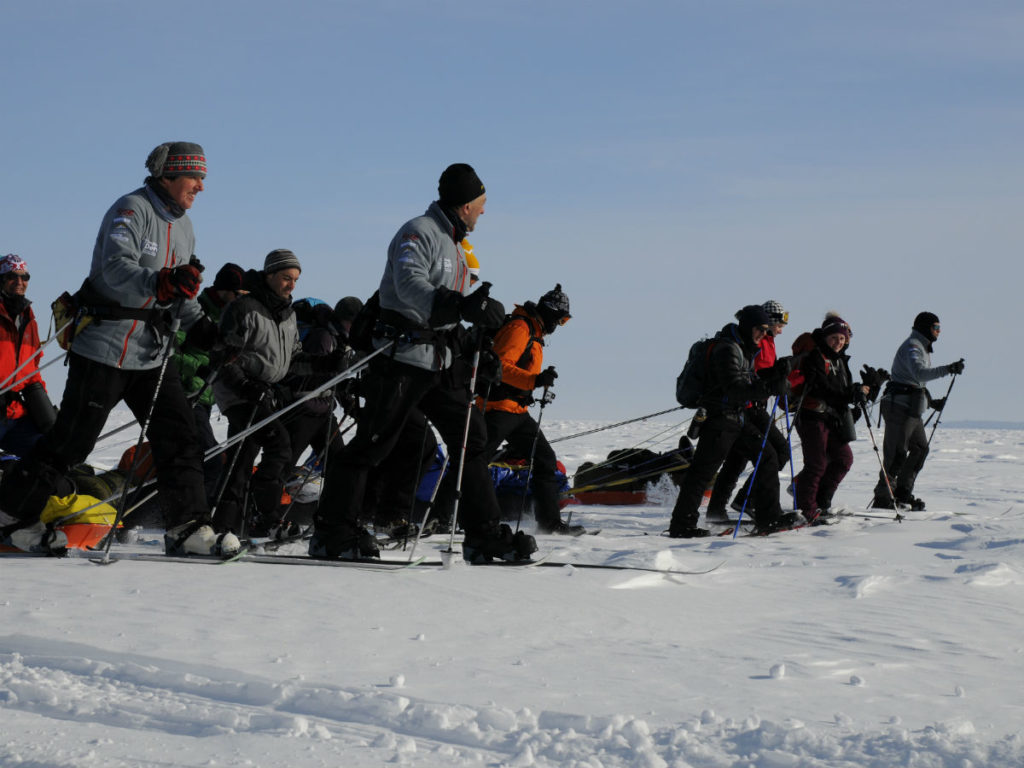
[{"x": 15, "y": 347}]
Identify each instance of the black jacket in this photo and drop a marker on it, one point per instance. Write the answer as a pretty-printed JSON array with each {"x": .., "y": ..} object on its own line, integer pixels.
[{"x": 730, "y": 382}]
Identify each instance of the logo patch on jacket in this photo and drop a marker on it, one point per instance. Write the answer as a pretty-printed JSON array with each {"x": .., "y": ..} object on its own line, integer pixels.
[
  {"x": 148, "y": 248},
  {"x": 447, "y": 264}
]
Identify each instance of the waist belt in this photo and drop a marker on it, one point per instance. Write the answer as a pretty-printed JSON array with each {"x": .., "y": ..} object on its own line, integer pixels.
[
  {"x": 897, "y": 388},
  {"x": 394, "y": 326}
]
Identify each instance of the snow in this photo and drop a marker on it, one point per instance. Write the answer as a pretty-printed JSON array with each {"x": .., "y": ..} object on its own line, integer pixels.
[{"x": 866, "y": 643}]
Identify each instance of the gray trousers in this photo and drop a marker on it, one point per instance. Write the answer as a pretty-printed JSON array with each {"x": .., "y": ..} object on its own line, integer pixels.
[{"x": 904, "y": 450}]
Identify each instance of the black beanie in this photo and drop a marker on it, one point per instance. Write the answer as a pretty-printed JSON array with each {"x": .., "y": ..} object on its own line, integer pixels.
[
  {"x": 751, "y": 316},
  {"x": 458, "y": 185},
  {"x": 923, "y": 323},
  {"x": 177, "y": 158},
  {"x": 229, "y": 278}
]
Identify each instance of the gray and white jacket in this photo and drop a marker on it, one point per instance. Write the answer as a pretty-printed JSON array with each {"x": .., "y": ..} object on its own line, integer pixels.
[
  {"x": 422, "y": 257},
  {"x": 137, "y": 238},
  {"x": 259, "y": 339},
  {"x": 911, "y": 371}
]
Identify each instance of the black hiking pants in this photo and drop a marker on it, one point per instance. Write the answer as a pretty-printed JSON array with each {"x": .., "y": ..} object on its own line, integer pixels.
[
  {"x": 904, "y": 451},
  {"x": 392, "y": 391},
  {"x": 521, "y": 431}
]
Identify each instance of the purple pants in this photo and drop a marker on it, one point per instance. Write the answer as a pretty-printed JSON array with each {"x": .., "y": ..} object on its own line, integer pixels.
[{"x": 826, "y": 462}]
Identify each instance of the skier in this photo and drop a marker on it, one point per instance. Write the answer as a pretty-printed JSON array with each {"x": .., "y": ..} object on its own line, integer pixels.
[
  {"x": 422, "y": 297},
  {"x": 259, "y": 335},
  {"x": 142, "y": 278},
  {"x": 824, "y": 422},
  {"x": 729, "y": 385},
  {"x": 520, "y": 347},
  {"x": 27, "y": 410},
  {"x": 905, "y": 446},
  {"x": 193, "y": 360},
  {"x": 756, "y": 422}
]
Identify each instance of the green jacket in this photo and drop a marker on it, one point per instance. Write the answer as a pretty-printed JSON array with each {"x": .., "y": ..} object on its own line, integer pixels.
[{"x": 193, "y": 361}]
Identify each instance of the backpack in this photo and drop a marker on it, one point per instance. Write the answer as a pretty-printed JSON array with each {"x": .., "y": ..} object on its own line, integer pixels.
[
  {"x": 802, "y": 345},
  {"x": 360, "y": 335},
  {"x": 690, "y": 382}
]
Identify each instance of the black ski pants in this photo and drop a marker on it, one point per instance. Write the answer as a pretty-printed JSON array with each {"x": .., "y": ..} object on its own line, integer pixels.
[
  {"x": 904, "y": 451},
  {"x": 757, "y": 419},
  {"x": 392, "y": 484},
  {"x": 524, "y": 435},
  {"x": 91, "y": 392},
  {"x": 392, "y": 391},
  {"x": 265, "y": 485},
  {"x": 719, "y": 435}
]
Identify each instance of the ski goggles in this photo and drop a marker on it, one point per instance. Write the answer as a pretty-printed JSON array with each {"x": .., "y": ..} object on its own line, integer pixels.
[{"x": 12, "y": 276}]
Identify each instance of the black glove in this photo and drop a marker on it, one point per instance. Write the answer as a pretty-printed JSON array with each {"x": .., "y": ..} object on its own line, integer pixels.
[
  {"x": 938, "y": 403},
  {"x": 489, "y": 369},
  {"x": 202, "y": 334},
  {"x": 256, "y": 391},
  {"x": 857, "y": 413},
  {"x": 782, "y": 367},
  {"x": 180, "y": 282},
  {"x": 873, "y": 377},
  {"x": 957, "y": 367},
  {"x": 546, "y": 378},
  {"x": 480, "y": 309},
  {"x": 283, "y": 395}
]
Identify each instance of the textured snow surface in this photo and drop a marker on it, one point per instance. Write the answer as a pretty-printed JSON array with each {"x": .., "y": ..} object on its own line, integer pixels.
[{"x": 866, "y": 643}]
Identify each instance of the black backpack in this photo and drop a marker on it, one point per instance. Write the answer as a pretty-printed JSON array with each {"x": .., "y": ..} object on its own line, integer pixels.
[
  {"x": 690, "y": 382},
  {"x": 360, "y": 335}
]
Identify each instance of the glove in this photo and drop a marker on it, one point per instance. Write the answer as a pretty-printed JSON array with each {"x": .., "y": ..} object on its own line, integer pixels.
[
  {"x": 957, "y": 367},
  {"x": 778, "y": 386},
  {"x": 546, "y": 378},
  {"x": 480, "y": 309},
  {"x": 873, "y": 377},
  {"x": 857, "y": 413},
  {"x": 256, "y": 391},
  {"x": 938, "y": 403},
  {"x": 489, "y": 369},
  {"x": 782, "y": 367},
  {"x": 282, "y": 395},
  {"x": 180, "y": 282}
]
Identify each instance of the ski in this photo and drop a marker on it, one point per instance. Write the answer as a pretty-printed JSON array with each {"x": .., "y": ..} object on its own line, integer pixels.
[
  {"x": 514, "y": 563},
  {"x": 642, "y": 568},
  {"x": 159, "y": 558},
  {"x": 368, "y": 564}
]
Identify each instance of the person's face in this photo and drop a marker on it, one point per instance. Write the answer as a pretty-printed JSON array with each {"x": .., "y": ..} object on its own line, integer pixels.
[
  {"x": 936, "y": 330},
  {"x": 776, "y": 328},
  {"x": 472, "y": 211},
  {"x": 183, "y": 189},
  {"x": 15, "y": 283},
  {"x": 758, "y": 333},
  {"x": 282, "y": 282},
  {"x": 835, "y": 341}
]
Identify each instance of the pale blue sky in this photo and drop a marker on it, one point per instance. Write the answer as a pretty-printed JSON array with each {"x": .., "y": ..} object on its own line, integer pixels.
[{"x": 667, "y": 162}]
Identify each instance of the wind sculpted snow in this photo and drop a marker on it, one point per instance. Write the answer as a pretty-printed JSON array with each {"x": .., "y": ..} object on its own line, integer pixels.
[{"x": 866, "y": 643}]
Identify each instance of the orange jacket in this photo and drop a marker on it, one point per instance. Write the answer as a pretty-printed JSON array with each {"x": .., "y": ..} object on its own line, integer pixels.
[
  {"x": 520, "y": 346},
  {"x": 15, "y": 348}
]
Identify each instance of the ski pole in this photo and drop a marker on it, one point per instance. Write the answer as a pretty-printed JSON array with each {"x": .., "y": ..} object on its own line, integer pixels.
[
  {"x": 878, "y": 455},
  {"x": 226, "y": 472},
  {"x": 544, "y": 400},
  {"x": 465, "y": 440},
  {"x": 29, "y": 375},
  {"x": 617, "y": 424},
  {"x": 938, "y": 418},
  {"x": 430, "y": 507},
  {"x": 789, "y": 442},
  {"x": 753, "y": 475},
  {"x": 35, "y": 353},
  {"x": 123, "y": 503}
]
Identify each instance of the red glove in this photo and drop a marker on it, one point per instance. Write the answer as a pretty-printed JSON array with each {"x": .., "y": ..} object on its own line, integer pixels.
[{"x": 180, "y": 282}]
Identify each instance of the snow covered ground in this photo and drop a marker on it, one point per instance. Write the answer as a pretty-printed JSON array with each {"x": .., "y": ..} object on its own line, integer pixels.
[{"x": 866, "y": 643}]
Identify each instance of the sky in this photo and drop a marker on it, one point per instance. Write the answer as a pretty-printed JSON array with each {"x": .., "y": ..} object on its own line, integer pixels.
[{"x": 666, "y": 162}]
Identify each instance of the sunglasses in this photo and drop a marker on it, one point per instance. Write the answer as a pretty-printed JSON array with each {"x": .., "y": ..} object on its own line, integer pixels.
[
  {"x": 17, "y": 276},
  {"x": 936, "y": 327}
]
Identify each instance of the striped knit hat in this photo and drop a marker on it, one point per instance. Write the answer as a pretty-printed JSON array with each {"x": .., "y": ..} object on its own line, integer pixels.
[
  {"x": 280, "y": 259},
  {"x": 177, "y": 158}
]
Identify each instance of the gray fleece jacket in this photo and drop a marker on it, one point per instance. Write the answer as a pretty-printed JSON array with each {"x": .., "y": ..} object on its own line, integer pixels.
[
  {"x": 138, "y": 237},
  {"x": 912, "y": 367},
  {"x": 423, "y": 257}
]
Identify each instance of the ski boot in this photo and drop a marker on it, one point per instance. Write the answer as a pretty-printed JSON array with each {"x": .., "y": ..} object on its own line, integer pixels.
[
  {"x": 39, "y": 538},
  {"x": 785, "y": 521},
  {"x": 337, "y": 544},
  {"x": 499, "y": 543},
  {"x": 200, "y": 539},
  {"x": 561, "y": 528}
]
